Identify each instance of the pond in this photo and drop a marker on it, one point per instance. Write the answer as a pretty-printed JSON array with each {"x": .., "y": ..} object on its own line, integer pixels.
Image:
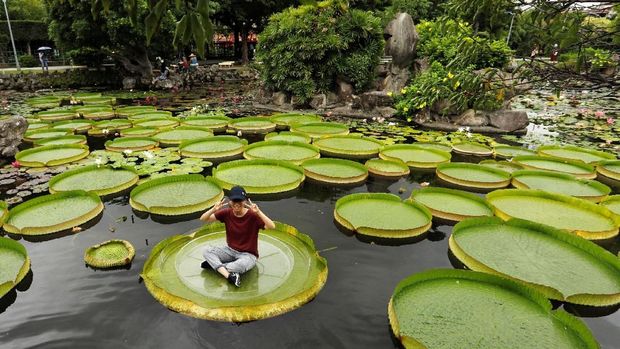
[{"x": 63, "y": 303}]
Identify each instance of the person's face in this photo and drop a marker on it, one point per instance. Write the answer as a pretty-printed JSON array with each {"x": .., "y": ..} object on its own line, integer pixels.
[{"x": 237, "y": 206}]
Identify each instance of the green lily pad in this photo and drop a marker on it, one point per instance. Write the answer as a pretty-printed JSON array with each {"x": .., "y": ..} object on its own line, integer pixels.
[
  {"x": 288, "y": 137},
  {"x": 150, "y": 115},
  {"x": 507, "y": 166},
  {"x": 217, "y": 148},
  {"x": 78, "y": 126},
  {"x": 176, "y": 195},
  {"x": 293, "y": 152},
  {"x": 349, "y": 147},
  {"x": 139, "y": 132},
  {"x": 4, "y": 212},
  {"x": 288, "y": 119},
  {"x": 414, "y": 156},
  {"x": 335, "y": 171},
  {"x": 561, "y": 266},
  {"x": 382, "y": 215},
  {"x": 134, "y": 109},
  {"x": 452, "y": 205},
  {"x": 387, "y": 168},
  {"x": 131, "y": 143},
  {"x": 35, "y": 135},
  {"x": 507, "y": 151},
  {"x": 470, "y": 148},
  {"x": 321, "y": 129},
  {"x": 51, "y": 155},
  {"x": 474, "y": 176},
  {"x": 110, "y": 254},
  {"x": 561, "y": 183},
  {"x": 15, "y": 264},
  {"x": 578, "y": 216},
  {"x": 37, "y": 125},
  {"x": 173, "y": 275},
  {"x": 57, "y": 115},
  {"x": 252, "y": 125},
  {"x": 177, "y": 135},
  {"x": 53, "y": 213},
  {"x": 612, "y": 203},
  {"x": 214, "y": 123},
  {"x": 96, "y": 112},
  {"x": 609, "y": 169},
  {"x": 260, "y": 176},
  {"x": 576, "y": 168},
  {"x": 433, "y": 145},
  {"x": 157, "y": 123},
  {"x": 482, "y": 310},
  {"x": 44, "y": 101},
  {"x": 101, "y": 180},
  {"x": 71, "y": 139},
  {"x": 97, "y": 100},
  {"x": 575, "y": 153}
]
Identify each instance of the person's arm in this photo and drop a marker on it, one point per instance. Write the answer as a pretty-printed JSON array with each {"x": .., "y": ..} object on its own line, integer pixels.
[
  {"x": 209, "y": 215},
  {"x": 269, "y": 224}
]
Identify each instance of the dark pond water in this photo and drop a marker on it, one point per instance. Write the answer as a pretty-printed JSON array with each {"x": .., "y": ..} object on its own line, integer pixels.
[{"x": 68, "y": 305}]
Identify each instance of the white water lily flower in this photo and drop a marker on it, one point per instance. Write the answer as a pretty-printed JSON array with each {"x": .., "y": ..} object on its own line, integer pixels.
[
  {"x": 391, "y": 124},
  {"x": 106, "y": 131},
  {"x": 127, "y": 151},
  {"x": 239, "y": 133},
  {"x": 460, "y": 129},
  {"x": 148, "y": 154}
]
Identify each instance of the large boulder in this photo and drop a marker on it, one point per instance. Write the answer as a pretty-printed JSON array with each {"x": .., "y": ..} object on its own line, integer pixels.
[
  {"x": 279, "y": 98},
  {"x": 374, "y": 99},
  {"x": 344, "y": 91},
  {"x": 508, "y": 120},
  {"x": 401, "y": 39},
  {"x": 12, "y": 130},
  {"x": 471, "y": 118}
]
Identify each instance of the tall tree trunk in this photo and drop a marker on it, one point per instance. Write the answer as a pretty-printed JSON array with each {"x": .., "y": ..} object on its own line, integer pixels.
[
  {"x": 245, "y": 59},
  {"x": 28, "y": 48},
  {"x": 135, "y": 61},
  {"x": 237, "y": 47}
]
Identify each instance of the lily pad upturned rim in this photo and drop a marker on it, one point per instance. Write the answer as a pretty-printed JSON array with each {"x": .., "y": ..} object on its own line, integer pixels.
[
  {"x": 608, "y": 200},
  {"x": 116, "y": 144},
  {"x": 576, "y": 325},
  {"x": 106, "y": 191},
  {"x": 174, "y": 211},
  {"x": 488, "y": 151},
  {"x": 589, "y": 171},
  {"x": 57, "y": 115},
  {"x": 54, "y": 162},
  {"x": 261, "y": 190},
  {"x": 603, "y": 211},
  {"x": 163, "y": 141},
  {"x": 107, "y": 263},
  {"x": 599, "y": 253},
  {"x": 413, "y": 163},
  {"x": 374, "y": 170},
  {"x": 333, "y": 179},
  {"x": 282, "y": 119},
  {"x": 9, "y": 243},
  {"x": 341, "y": 129},
  {"x": 603, "y": 155},
  {"x": 31, "y": 136},
  {"x": 265, "y": 124},
  {"x": 447, "y": 215},
  {"x": 383, "y": 233},
  {"x": 311, "y": 147},
  {"x": 70, "y": 139},
  {"x": 348, "y": 153},
  {"x": 4, "y": 212},
  {"x": 604, "y": 171},
  {"x": 602, "y": 188},
  {"x": 35, "y": 231},
  {"x": 233, "y": 313},
  {"x": 307, "y": 139},
  {"x": 214, "y": 155},
  {"x": 473, "y": 184}
]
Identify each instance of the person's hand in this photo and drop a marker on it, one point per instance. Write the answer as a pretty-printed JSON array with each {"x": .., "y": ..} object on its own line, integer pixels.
[
  {"x": 223, "y": 203},
  {"x": 252, "y": 206}
]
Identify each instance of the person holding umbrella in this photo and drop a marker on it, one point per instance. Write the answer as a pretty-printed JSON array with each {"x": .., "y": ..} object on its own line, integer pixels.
[{"x": 43, "y": 57}]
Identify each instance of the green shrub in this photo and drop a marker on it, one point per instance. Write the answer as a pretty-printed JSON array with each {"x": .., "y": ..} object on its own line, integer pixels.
[
  {"x": 28, "y": 61},
  {"x": 305, "y": 49},
  {"x": 589, "y": 59},
  {"x": 87, "y": 56}
]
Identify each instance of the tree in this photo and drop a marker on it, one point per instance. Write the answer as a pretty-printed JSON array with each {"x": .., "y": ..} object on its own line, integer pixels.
[
  {"x": 485, "y": 15},
  {"x": 33, "y": 10}
]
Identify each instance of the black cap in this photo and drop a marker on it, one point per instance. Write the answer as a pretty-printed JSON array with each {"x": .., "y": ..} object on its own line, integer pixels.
[{"x": 237, "y": 193}]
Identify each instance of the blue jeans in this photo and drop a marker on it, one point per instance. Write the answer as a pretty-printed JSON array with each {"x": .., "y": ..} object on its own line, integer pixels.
[{"x": 231, "y": 259}]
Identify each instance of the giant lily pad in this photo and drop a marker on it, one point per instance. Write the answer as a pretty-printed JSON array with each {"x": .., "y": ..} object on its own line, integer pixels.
[
  {"x": 609, "y": 169},
  {"x": 110, "y": 254},
  {"x": 101, "y": 180},
  {"x": 293, "y": 152},
  {"x": 78, "y": 126},
  {"x": 131, "y": 143},
  {"x": 349, "y": 147},
  {"x": 473, "y": 175},
  {"x": 578, "y": 216},
  {"x": 470, "y": 148},
  {"x": 4, "y": 212},
  {"x": 52, "y": 155},
  {"x": 70, "y": 139},
  {"x": 44, "y": 101},
  {"x": 134, "y": 109},
  {"x": 35, "y": 135},
  {"x": 252, "y": 125},
  {"x": 176, "y": 195},
  {"x": 575, "y": 153},
  {"x": 288, "y": 274},
  {"x": 382, "y": 215},
  {"x": 157, "y": 123},
  {"x": 260, "y": 176},
  {"x": 321, "y": 129},
  {"x": 576, "y": 168},
  {"x": 150, "y": 115},
  {"x": 57, "y": 115},
  {"x": 415, "y": 156},
  {"x": 96, "y": 112},
  {"x": 15, "y": 264},
  {"x": 434, "y": 145},
  {"x": 612, "y": 203},
  {"x": 387, "y": 168},
  {"x": 286, "y": 120},
  {"x": 214, "y": 123},
  {"x": 335, "y": 171},
  {"x": 175, "y": 136},
  {"x": 464, "y": 309},
  {"x": 561, "y": 183},
  {"x": 97, "y": 100},
  {"x": 508, "y": 151},
  {"x": 139, "y": 132},
  {"x": 217, "y": 148},
  {"x": 452, "y": 205},
  {"x": 507, "y": 166},
  {"x": 288, "y": 136},
  {"x": 53, "y": 213},
  {"x": 561, "y": 266}
]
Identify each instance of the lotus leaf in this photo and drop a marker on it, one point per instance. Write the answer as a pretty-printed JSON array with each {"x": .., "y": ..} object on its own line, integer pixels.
[
  {"x": 561, "y": 266},
  {"x": 507, "y": 166},
  {"x": 349, "y": 147},
  {"x": 176, "y": 195},
  {"x": 335, "y": 171},
  {"x": 578, "y": 216},
  {"x": 561, "y": 183},
  {"x": 452, "y": 205},
  {"x": 260, "y": 176},
  {"x": 57, "y": 115},
  {"x": 150, "y": 115},
  {"x": 611, "y": 202},
  {"x": 131, "y": 143},
  {"x": 465, "y": 309},
  {"x": 609, "y": 169},
  {"x": 15, "y": 264},
  {"x": 51, "y": 155},
  {"x": 432, "y": 145},
  {"x": 252, "y": 125},
  {"x": 469, "y": 148},
  {"x": 101, "y": 180},
  {"x": 157, "y": 123},
  {"x": 288, "y": 119},
  {"x": 321, "y": 129},
  {"x": 215, "y": 148},
  {"x": 288, "y": 274},
  {"x": 175, "y": 136},
  {"x": 507, "y": 151},
  {"x": 288, "y": 136},
  {"x": 576, "y": 168},
  {"x": 53, "y": 213},
  {"x": 473, "y": 175},
  {"x": 387, "y": 168},
  {"x": 293, "y": 152},
  {"x": 575, "y": 153},
  {"x": 414, "y": 156},
  {"x": 34, "y": 135},
  {"x": 72, "y": 139},
  {"x": 382, "y": 215},
  {"x": 110, "y": 254}
]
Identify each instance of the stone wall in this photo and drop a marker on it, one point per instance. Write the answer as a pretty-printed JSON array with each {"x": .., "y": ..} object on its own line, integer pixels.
[{"x": 78, "y": 78}]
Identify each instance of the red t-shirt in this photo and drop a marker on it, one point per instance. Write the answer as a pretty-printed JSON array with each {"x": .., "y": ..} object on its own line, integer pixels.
[{"x": 241, "y": 232}]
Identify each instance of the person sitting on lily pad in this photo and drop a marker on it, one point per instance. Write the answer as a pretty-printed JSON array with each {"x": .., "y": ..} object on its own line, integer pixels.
[{"x": 243, "y": 220}]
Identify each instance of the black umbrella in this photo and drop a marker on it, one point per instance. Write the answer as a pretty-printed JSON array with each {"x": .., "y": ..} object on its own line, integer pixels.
[{"x": 44, "y": 48}]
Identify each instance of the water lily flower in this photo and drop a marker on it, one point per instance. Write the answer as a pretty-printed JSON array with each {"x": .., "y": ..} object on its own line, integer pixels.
[
  {"x": 239, "y": 133},
  {"x": 16, "y": 164},
  {"x": 98, "y": 161},
  {"x": 380, "y": 120},
  {"x": 106, "y": 131},
  {"x": 391, "y": 124},
  {"x": 468, "y": 134},
  {"x": 148, "y": 154},
  {"x": 467, "y": 128},
  {"x": 460, "y": 129},
  {"x": 610, "y": 121},
  {"x": 599, "y": 114},
  {"x": 127, "y": 151}
]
